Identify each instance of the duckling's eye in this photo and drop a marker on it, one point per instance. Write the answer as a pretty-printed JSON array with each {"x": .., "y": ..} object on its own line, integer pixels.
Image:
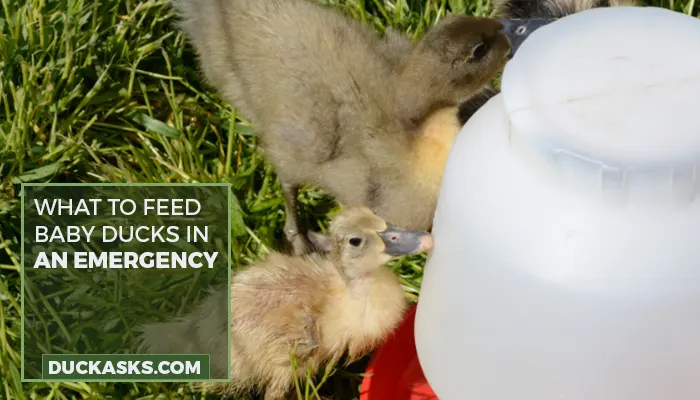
[
  {"x": 355, "y": 241},
  {"x": 479, "y": 51}
]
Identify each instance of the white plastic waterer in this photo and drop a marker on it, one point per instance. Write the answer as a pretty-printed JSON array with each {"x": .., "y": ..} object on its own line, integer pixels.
[{"x": 566, "y": 263}]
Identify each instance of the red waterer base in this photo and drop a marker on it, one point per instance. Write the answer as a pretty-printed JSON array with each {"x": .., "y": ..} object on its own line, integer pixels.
[{"x": 394, "y": 372}]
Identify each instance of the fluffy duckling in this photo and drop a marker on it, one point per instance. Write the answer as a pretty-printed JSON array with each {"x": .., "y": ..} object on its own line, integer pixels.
[
  {"x": 340, "y": 301},
  {"x": 368, "y": 119}
]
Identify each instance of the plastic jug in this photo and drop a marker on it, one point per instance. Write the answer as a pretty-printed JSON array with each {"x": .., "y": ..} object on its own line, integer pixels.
[{"x": 566, "y": 263}]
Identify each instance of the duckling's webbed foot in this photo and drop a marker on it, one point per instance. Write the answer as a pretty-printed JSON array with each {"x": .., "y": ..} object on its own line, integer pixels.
[{"x": 294, "y": 231}]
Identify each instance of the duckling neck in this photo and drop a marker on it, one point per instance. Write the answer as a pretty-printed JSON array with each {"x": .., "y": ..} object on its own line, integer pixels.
[
  {"x": 360, "y": 277},
  {"x": 415, "y": 94},
  {"x": 433, "y": 140},
  {"x": 358, "y": 274}
]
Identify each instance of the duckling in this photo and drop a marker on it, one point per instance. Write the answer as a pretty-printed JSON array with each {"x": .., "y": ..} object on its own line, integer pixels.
[
  {"x": 341, "y": 300},
  {"x": 370, "y": 120}
]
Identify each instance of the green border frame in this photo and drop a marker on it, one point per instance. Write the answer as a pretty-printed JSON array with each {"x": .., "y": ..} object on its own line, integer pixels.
[{"x": 229, "y": 195}]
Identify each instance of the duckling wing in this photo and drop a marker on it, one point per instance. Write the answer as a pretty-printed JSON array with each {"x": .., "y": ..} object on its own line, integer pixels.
[
  {"x": 288, "y": 65},
  {"x": 295, "y": 328},
  {"x": 277, "y": 301}
]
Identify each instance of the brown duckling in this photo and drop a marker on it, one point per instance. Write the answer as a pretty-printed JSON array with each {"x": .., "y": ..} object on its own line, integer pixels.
[
  {"x": 368, "y": 119},
  {"x": 340, "y": 301}
]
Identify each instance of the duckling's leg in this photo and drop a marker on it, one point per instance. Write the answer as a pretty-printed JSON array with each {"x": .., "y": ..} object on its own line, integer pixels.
[{"x": 294, "y": 230}]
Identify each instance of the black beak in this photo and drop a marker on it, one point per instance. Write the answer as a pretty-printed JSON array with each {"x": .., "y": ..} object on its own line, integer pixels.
[
  {"x": 400, "y": 242},
  {"x": 517, "y": 30}
]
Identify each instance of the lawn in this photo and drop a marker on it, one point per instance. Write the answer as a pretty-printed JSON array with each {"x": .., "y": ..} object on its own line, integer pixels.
[{"x": 108, "y": 91}]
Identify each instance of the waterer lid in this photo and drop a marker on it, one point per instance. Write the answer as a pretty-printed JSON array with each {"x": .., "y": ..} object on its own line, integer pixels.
[{"x": 625, "y": 94}]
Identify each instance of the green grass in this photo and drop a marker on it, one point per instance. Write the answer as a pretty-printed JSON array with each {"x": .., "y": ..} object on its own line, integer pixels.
[{"x": 108, "y": 91}]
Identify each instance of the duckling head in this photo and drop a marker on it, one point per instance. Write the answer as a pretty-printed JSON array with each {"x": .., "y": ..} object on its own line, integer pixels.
[
  {"x": 360, "y": 241},
  {"x": 453, "y": 60}
]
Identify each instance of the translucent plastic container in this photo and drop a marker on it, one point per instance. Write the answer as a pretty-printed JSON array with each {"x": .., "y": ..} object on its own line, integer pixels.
[{"x": 566, "y": 263}]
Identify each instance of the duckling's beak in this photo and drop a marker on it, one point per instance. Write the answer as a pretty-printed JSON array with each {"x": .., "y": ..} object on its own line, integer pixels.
[
  {"x": 517, "y": 30},
  {"x": 400, "y": 242}
]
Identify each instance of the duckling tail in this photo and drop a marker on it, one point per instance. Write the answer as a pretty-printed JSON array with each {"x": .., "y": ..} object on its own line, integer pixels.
[
  {"x": 209, "y": 27},
  {"x": 517, "y": 9}
]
